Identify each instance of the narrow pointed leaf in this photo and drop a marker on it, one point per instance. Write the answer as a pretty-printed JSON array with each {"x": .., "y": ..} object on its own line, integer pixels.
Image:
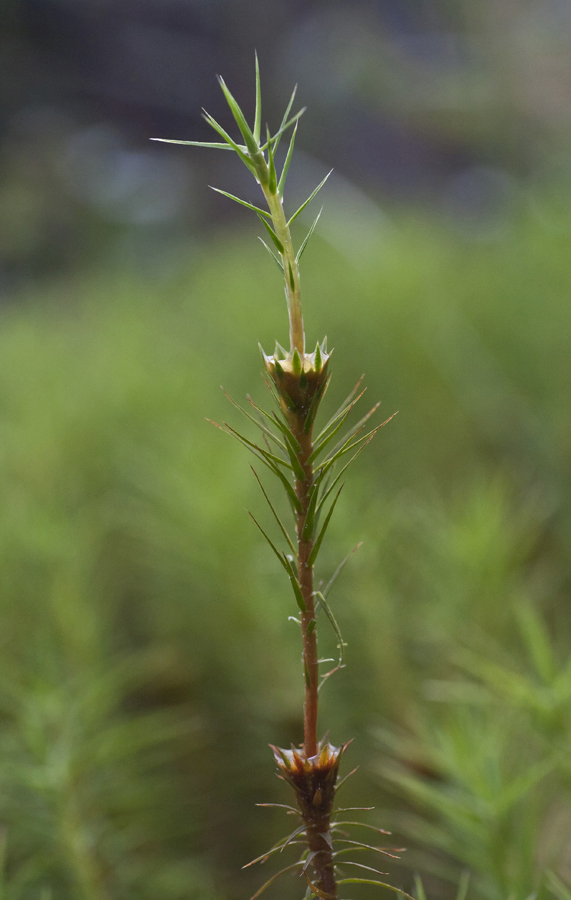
[
  {"x": 277, "y": 136},
  {"x": 336, "y": 575},
  {"x": 273, "y": 255},
  {"x": 241, "y": 151},
  {"x": 310, "y": 515},
  {"x": 256, "y": 422},
  {"x": 273, "y": 235},
  {"x": 309, "y": 199},
  {"x": 295, "y": 585},
  {"x": 307, "y": 237},
  {"x": 341, "y": 414},
  {"x": 338, "y": 785},
  {"x": 333, "y": 621},
  {"x": 194, "y": 143},
  {"x": 343, "y": 407},
  {"x": 370, "y": 847},
  {"x": 289, "y": 155},
  {"x": 265, "y": 453},
  {"x": 347, "y": 448},
  {"x": 275, "y": 421},
  {"x": 339, "y": 475},
  {"x": 273, "y": 179},
  {"x": 390, "y": 887},
  {"x": 258, "y": 113},
  {"x": 347, "y": 862},
  {"x": 270, "y": 542},
  {"x": 276, "y": 516},
  {"x": 320, "y": 446},
  {"x": 266, "y": 458},
  {"x": 255, "y": 209},
  {"x": 285, "y": 118},
  {"x": 245, "y": 131},
  {"x": 291, "y": 278},
  {"x": 317, "y": 398},
  {"x": 365, "y": 825},
  {"x": 273, "y": 878},
  {"x": 318, "y": 542},
  {"x": 355, "y": 429}
]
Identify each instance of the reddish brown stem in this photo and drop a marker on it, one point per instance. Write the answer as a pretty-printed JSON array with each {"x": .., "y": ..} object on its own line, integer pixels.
[{"x": 305, "y": 576}]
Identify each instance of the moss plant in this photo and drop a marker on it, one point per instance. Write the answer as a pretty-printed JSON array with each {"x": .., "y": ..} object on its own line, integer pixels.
[{"x": 307, "y": 466}]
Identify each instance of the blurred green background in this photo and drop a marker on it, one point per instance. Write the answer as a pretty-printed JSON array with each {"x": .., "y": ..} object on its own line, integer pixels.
[{"x": 147, "y": 658}]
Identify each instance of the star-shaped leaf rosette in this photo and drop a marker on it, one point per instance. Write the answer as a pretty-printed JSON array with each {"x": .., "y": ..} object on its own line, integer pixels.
[{"x": 309, "y": 467}]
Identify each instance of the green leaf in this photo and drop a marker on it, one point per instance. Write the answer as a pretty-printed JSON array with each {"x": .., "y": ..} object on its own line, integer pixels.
[
  {"x": 364, "y": 825},
  {"x": 275, "y": 421},
  {"x": 271, "y": 543},
  {"x": 295, "y": 585},
  {"x": 347, "y": 447},
  {"x": 249, "y": 139},
  {"x": 289, "y": 155},
  {"x": 339, "y": 569},
  {"x": 272, "y": 254},
  {"x": 333, "y": 621},
  {"x": 194, "y": 143},
  {"x": 339, "y": 415},
  {"x": 277, "y": 136},
  {"x": 391, "y": 887},
  {"x": 320, "y": 446},
  {"x": 273, "y": 235},
  {"x": 273, "y": 878},
  {"x": 318, "y": 542},
  {"x": 266, "y": 458},
  {"x": 242, "y": 152},
  {"x": 277, "y": 518},
  {"x": 340, "y": 475},
  {"x": 356, "y": 428},
  {"x": 283, "y": 125},
  {"x": 256, "y": 422},
  {"x": 256, "y": 209},
  {"x": 343, "y": 406},
  {"x": 420, "y": 893},
  {"x": 347, "y": 862},
  {"x": 463, "y": 884},
  {"x": 291, "y": 278},
  {"x": 309, "y": 199},
  {"x": 310, "y": 515},
  {"x": 265, "y": 453},
  {"x": 273, "y": 179},
  {"x": 317, "y": 397},
  {"x": 307, "y": 237},
  {"x": 258, "y": 113}
]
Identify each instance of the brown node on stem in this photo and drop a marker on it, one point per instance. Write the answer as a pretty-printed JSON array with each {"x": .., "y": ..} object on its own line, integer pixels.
[
  {"x": 300, "y": 381},
  {"x": 313, "y": 779}
]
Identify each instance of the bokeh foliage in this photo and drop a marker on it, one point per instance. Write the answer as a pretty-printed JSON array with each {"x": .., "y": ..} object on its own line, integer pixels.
[{"x": 147, "y": 659}]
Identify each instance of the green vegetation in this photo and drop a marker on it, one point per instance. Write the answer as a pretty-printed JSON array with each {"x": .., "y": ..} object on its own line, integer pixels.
[{"x": 147, "y": 659}]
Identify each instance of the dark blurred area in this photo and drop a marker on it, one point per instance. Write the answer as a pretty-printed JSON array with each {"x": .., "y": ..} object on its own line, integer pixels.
[{"x": 459, "y": 106}]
